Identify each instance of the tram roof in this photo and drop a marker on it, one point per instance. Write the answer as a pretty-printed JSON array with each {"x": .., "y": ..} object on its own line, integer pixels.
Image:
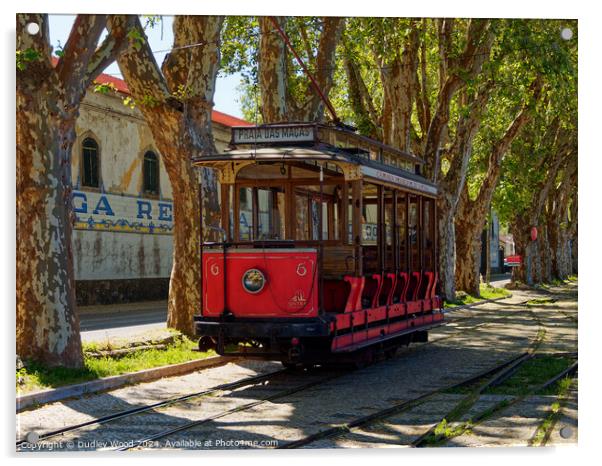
[
  {"x": 280, "y": 154},
  {"x": 300, "y": 142}
]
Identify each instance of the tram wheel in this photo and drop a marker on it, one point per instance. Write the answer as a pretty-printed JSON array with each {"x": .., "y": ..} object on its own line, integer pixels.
[
  {"x": 206, "y": 343},
  {"x": 295, "y": 366}
]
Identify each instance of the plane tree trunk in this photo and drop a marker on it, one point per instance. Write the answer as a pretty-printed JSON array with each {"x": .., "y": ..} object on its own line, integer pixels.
[
  {"x": 176, "y": 101},
  {"x": 48, "y": 100},
  {"x": 530, "y": 271},
  {"x": 472, "y": 214},
  {"x": 277, "y": 102}
]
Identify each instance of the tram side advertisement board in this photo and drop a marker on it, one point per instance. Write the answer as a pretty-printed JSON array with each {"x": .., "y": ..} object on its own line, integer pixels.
[{"x": 269, "y": 134}]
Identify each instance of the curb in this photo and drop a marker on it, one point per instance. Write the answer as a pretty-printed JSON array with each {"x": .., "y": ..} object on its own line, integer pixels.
[
  {"x": 116, "y": 381},
  {"x": 468, "y": 306}
]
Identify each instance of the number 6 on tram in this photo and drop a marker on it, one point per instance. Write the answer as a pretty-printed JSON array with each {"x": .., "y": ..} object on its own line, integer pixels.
[{"x": 328, "y": 251}]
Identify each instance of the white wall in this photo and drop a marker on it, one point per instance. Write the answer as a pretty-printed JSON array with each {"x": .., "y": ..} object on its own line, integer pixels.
[{"x": 124, "y": 244}]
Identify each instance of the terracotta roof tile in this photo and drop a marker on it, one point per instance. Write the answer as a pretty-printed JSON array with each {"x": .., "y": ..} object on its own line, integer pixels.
[{"x": 121, "y": 86}]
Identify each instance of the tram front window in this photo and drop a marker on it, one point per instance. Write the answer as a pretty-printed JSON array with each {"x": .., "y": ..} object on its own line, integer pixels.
[
  {"x": 245, "y": 202},
  {"x": 270, "y": 202},
  {"x": 262, "y": 214}
]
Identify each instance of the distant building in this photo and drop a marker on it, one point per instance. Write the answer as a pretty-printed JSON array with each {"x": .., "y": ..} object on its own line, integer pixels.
[
  {"x": 496, "y": 252},
  {"x": 507, "y": 244},
  {"x": 122, "y": 200}
]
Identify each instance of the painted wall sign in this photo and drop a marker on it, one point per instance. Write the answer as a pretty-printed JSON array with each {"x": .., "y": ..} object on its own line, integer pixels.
[
  {"x": 258, "y": 134},
  {"x": 113, "y": 212},
  {"x": 408, "y": 183}
]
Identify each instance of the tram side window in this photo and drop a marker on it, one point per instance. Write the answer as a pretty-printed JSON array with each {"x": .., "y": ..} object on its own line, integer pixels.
[
  {"x": 302, "y": 216},
  {"x": 402, "y": 231},
  {"x": 370, "y": 234},
  {"x": 389, "y": 231},
  {"x": 413, "y": 225},
  {"x": 429, "y": 233}
]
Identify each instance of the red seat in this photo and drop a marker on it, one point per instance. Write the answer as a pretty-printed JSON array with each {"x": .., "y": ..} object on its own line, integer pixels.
[
  {"x": 371, "y": 292},
  {"x": 425, "y": 291},
  {"x": 355, "y": 294},
  {"x": 402, "y": 287},
  {"x": 414, "y": 305},
  {"x": 387, "y": 289},
  {"x": 336, "y": 295}
]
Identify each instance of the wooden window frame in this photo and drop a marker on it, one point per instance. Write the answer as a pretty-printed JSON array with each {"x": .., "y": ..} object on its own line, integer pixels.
[
  {"x": 145, "y": 192},
  {"x": 82, "y": 170}
]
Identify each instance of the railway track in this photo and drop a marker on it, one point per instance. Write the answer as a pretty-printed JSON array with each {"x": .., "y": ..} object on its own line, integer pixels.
[
  {"x": 145, "y": 408},
  {"x": 496, "y": 371},
  {"x": 492, "y": 377},
  {"x": 190, "y": 396},
  {"x": 199, "y": 395}
]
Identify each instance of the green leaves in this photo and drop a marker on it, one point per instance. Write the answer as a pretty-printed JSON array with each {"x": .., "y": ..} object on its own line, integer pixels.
[
  {"x": 104, "y": 88},
  {"x": 26, "y": 56},
  {"x": 136, "y": 38}
]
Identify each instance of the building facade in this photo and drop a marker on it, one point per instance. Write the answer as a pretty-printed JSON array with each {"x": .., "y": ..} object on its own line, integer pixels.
[{"x": 122, "y": 201}]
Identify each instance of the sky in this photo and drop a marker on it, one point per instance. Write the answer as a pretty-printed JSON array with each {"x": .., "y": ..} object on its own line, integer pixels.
[{"x": 161, "y": 39}]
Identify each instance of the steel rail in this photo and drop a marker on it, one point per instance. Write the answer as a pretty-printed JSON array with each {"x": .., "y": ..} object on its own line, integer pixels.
[
  {"x": 470, "y": 399},
  {"x": 505, "y": 404},
  {"x": 497, "y": 374},
  {"x": 230, "y": 385},
  {"x": 141, "y": 409},
  {"x": 337, "y": 431},
  {"x": 237, "y": 409}
]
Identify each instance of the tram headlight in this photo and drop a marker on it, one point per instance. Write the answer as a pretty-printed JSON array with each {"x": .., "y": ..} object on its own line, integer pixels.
[{"x": 253, "y": 281}]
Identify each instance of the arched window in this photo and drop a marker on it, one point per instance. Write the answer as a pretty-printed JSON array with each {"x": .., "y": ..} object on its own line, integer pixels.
[
  {"x": 90, "y": 175},
  {"x": 150, "y": 171}
]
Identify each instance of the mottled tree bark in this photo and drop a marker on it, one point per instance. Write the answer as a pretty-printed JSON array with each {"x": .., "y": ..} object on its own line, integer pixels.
[
  {"x": 272, "y": 72},
  {"x": 48, "y": 100},
  {"x": 277, "y": 103},
  {"x": 558, "y": 224},
  {"x": 176, "y": 102},
  {"x": 453, "y": 186},
  {"x": 398, "y": 80},
  {"x": 453, "y": 75}
]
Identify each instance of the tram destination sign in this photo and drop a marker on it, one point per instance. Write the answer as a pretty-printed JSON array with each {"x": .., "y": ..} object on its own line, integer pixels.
[
  {"x": 269, "y": 134},
  {"x": 402, "y": 181}
]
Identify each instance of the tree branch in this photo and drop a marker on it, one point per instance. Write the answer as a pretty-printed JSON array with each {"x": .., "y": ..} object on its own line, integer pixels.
[{"x": 137, "y": 62}]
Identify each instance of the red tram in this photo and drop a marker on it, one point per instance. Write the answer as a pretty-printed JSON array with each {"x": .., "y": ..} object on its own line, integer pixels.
[{"x": 329, "y": 248}]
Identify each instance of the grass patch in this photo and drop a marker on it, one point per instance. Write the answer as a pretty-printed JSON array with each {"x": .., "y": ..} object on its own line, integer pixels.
[
  {"x": 532, "y": 373},
  {"x": 540, "y": 301},
  {"x": 561, "y": 389},
  {"x": 487, "y": 292},
  {"x": 572, "y": 278},
  {"x": 492, "y": 292},
  {"x": 37, "y": 376},
  {"x": 444, "y": 431}
]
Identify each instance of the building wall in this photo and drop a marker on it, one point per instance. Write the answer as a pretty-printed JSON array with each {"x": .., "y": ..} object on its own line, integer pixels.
[{"x": 122, "y": 242}]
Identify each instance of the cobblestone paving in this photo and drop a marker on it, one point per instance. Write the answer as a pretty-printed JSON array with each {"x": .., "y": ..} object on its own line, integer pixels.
[{"x": 474, "y": 340}]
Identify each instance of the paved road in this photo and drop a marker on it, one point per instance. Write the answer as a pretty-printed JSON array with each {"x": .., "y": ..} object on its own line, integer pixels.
[
  {"x": 100, "y": 323},
  {"x": 500, "y": 280}
]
